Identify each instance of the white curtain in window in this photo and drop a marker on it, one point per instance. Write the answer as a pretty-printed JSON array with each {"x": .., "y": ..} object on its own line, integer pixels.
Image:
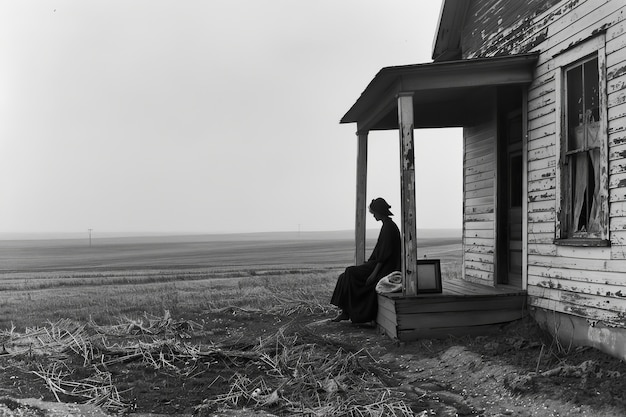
[{"x": 587, "y": 137}]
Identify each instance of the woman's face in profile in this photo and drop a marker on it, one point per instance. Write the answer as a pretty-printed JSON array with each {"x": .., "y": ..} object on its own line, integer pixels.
[{"x": 376, "y": 215}]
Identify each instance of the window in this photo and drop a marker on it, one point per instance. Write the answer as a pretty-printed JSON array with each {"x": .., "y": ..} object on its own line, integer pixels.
[
  {"x": 583, "y": 160},
  {"x": 582, "y": 124}
]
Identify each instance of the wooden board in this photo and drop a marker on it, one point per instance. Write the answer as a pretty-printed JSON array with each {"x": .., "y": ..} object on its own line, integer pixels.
[
  {"x": 456, "y": 319},
  {"x": 486, "y": 303}
]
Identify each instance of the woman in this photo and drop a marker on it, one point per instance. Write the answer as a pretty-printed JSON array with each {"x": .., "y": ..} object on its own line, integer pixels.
[{"x": 355, "y": 291}]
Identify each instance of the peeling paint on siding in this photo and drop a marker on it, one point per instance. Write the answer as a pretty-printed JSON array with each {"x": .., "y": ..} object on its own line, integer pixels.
[
  {"x": 508, "y": 27},
  {"x": 616, "y": 72},
  {"x": 613, "y": 88},
  {"x": 578, "y": 285}
]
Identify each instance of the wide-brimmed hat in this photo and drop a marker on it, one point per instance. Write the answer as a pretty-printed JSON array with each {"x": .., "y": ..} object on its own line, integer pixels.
[{"x": 380, "y": 206}]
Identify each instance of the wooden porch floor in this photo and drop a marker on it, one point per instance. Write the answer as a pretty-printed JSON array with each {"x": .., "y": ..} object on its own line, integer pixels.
[{"x": 461, "y": 308}]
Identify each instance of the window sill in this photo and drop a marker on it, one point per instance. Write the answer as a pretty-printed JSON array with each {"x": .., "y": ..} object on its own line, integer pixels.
[{"x": 590, "y": 242}]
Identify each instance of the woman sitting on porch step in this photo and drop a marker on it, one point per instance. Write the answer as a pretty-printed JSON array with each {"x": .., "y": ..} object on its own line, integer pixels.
[{"x": 355, "y": 291}]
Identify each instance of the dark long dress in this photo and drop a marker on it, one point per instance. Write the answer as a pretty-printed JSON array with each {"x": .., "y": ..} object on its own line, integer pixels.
[{"x": 351, "y": 293}]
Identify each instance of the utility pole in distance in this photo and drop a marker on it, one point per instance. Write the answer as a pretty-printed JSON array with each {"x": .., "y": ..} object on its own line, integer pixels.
[{"x": 89, "y": 236}]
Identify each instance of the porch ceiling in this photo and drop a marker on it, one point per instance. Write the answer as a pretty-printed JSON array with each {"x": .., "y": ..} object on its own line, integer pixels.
[{"x": 445, "y": 94}]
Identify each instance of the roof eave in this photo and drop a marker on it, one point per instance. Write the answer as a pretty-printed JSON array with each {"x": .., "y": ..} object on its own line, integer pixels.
[{"x": 380, "y": 92}]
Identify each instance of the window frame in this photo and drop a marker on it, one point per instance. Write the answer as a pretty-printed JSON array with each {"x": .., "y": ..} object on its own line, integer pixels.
[{"x": 564, "y": 61}]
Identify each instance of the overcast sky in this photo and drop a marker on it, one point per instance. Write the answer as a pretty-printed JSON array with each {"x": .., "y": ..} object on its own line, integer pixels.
[{"x": 206, "y": 116}]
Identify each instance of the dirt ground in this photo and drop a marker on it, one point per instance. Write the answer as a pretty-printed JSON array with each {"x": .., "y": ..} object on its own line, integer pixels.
[
  {"x": 515, "y": 372},
  {"x": 518, "y": 371}
]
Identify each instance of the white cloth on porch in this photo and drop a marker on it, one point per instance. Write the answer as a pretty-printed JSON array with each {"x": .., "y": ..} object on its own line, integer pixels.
[{"x": 390, "y": 283}]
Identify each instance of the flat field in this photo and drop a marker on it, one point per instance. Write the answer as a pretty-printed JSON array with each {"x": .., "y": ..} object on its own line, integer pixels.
[
  {"x": 60, "y": 278},
  {"x": 201, "y": 251},
  {"x": 238, "y": 326},
  {"x": 205, "y": 312}
]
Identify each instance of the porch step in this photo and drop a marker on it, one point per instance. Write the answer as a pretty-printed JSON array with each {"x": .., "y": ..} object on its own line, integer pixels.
[{"x": 478, "y": 310}]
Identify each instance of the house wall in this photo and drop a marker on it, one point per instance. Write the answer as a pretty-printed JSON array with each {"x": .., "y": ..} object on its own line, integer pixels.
[
  {"x": 479, "y": 169},
  {"x": 504, "y": 27},
  {"x": 585, "y": 283}
]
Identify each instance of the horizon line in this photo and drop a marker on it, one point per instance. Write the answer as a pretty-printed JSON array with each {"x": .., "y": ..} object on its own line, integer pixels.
[{"x": 120, "y": 234}]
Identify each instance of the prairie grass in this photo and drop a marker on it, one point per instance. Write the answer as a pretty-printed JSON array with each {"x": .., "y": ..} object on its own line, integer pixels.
[
  {"x": 111, "y": 297},
  {"x": 287, "y": 283},
  {"x": 44, "y": 282}
]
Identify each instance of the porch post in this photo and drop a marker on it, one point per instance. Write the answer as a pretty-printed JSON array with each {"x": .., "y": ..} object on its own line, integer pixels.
[
  {"x": 525, "y": 188},
  {"x": 407, "y": 163},
  {"x": 361, "y": 204}
]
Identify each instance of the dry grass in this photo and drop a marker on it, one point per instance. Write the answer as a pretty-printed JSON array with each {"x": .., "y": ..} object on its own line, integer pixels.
[
  {"x": 103, "y": 303},
  {"x": 308, "y": 375},
  {"x": 96, "y": 389},
  {"x": 53, "y": 347},
  {"x": 302, "y": 373},
  {"x": 93, "y": 321}
]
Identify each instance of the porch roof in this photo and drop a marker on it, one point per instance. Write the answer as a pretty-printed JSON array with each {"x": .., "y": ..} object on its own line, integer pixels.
[{"x": 445, "y": 94}]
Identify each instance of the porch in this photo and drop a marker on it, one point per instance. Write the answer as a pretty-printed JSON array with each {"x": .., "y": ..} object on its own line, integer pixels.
[
  {"x": 461, "y": 308},
  {"x": 487, "y": 97}
]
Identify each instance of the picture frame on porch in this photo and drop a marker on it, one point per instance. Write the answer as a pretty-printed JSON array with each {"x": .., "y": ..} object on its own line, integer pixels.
[{"x": 428, "y": 276}]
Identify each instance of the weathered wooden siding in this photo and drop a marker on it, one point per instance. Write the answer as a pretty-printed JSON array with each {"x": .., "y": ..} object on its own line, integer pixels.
[
  {"x": 503, "y": 27},
  {"x": 583, "y": 281},
  {"x": 586, "y": 282},
  {"x": 479, "y": 168},
  {"x": 616, "y": 91}
]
